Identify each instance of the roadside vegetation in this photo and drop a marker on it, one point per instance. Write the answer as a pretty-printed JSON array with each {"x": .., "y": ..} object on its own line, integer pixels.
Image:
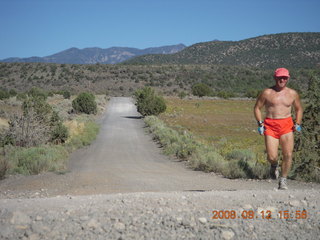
[
  {"x": 148, "y": 102},
  {"x": 212, "y": 135},
  {"x": 220, "y": 135},
  {"x": 306, "y": 164},
  {"x": 39, "y": 130}
]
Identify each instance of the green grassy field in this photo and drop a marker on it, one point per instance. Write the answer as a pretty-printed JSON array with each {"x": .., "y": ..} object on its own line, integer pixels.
[{"x": 227, "y": 124}]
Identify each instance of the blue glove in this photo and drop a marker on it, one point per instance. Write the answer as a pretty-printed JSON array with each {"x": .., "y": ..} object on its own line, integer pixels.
[
  {"x": 297, "y": 127},
  {"x": 261, "y": 130}
]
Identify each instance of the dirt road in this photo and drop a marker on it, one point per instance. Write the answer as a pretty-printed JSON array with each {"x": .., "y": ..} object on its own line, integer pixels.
[{"x": 149, "y": 195}]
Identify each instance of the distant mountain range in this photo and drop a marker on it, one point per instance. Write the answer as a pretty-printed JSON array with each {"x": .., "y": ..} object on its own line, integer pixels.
[
  {"x": 98, "y": 55},
  {"x": 292, "y": 50},
  {"x": 298, "y": 50}
]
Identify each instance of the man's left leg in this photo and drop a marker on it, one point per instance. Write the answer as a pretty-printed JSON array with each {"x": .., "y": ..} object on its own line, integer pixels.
[{"x": 287, "y": 143}]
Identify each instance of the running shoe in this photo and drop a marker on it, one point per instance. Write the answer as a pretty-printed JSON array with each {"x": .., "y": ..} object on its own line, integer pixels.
[{"x": 283, "y": 184}]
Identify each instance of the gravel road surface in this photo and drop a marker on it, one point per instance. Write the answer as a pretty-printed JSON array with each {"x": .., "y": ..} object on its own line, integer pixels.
[{"x": 122, "y": 187}]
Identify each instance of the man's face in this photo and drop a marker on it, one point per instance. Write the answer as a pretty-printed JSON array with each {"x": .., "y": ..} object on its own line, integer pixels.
[{"x": 281, "y": 81}]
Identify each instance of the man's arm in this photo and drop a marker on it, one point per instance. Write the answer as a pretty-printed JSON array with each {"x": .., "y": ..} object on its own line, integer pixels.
[
  {"x": 298, "y": 108},
  {"x": 257, "y": 107}
]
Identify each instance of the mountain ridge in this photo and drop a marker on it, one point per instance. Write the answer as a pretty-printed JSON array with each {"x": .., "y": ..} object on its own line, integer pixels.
[
  {"x": 94, "y": 55},
  {"x": 266, "y": 51}
]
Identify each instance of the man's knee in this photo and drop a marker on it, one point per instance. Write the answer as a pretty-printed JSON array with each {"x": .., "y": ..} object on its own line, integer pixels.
[
  {"x": 272, "y": 158},
  {"x": 287, "y": 155}
]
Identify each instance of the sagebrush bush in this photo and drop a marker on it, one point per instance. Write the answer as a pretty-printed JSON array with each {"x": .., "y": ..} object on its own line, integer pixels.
[
  {"x": 260, "y": 170},
  {"x": 233, "y": 170},
  {"x": 236, "y": 163},
  {"x": 208, "y": 160},
  {"x": 85, "y": 103},
  {"x": 34, "y": 160},
  {"x": 241, "y": 154}
]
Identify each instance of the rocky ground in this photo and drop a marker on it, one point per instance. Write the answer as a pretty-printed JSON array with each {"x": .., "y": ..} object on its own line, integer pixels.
[{"x": 165, "y": 215}]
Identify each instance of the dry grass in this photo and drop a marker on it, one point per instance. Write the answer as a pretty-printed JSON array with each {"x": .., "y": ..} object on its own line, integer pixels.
[
  {"x": 75, "y": 128},
  {"x": 9, "y": 107},
  {"x": 4, "y": 123},
  {"x": 228, "y": 124}
]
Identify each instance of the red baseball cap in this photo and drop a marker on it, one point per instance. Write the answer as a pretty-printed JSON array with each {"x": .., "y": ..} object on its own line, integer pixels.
[{"x": 281, "y": 72}]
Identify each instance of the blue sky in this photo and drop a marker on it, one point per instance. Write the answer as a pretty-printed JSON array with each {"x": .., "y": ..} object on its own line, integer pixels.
[{"x": 44, "y": 27}]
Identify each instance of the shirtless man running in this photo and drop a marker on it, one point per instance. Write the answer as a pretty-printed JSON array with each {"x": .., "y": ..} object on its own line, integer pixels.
[{"x": 278, "y": 126}]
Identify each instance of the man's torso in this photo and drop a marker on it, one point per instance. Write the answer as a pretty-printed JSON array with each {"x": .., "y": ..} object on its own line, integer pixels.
[{"x": 278, "y": 104}]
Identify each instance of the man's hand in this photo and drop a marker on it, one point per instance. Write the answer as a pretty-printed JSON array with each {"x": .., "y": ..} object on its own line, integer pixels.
[
  {"x": 297, "y": 127},
  {"x": 261, "y": 130}
]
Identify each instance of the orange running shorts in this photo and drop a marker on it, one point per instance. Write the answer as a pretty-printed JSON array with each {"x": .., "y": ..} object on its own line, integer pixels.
[{"x": 278, "y": 127}]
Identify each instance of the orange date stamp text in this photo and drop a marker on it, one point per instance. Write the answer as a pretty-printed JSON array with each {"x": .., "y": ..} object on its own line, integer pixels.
[{"x": 264, "y": 214}]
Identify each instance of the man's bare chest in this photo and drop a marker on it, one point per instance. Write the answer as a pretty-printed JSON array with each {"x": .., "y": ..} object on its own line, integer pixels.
[{"x": 279, "y": 100}]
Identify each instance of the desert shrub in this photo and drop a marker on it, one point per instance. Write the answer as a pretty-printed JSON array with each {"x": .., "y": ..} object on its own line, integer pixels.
[
  {"x": 87, "y": 135},
  {"x": 38, "y": 124},
  {"x": 3, "y": 166},
  {"x": 37, "y": 93},
  {"x": 232, "y": 163},
  {"x": 32, "y": 127},
  {"x": 85, "y": 103},
  {"x": 225, "y": 94},
  {"x": 260, "y": 170},
  {"x": 6, "y": 139},
  {"x": 45, "y": 157},
  {"x": 201, "y": 90},
  {"x": 59, "y": 134},
  {"x": 208, "y": 161},
  {"x": 55, "y": 118},
  {"x": 306, "y": 164},
  {"x": 4, "y": 94},
  {"x": 234, "y": 170},
  {"x": 21, "y": 96},
  {"x": 247, "y": 161},
  {"x": 66, "y": 94},
  {"x": 37, "y": 105},
  {"x": 34, "y": 160},
  {"x": 148, "y": 102},
  {"x": 13, "y": 92},
  {"x": 182, "y": 95},
  {"x": 185, "y": 147},
  {"x": 240, "y": 154},
  {"x": 252, "y": 93}
]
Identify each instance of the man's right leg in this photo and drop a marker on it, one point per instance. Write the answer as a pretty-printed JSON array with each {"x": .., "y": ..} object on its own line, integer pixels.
[{"x": 272, "y": 145}]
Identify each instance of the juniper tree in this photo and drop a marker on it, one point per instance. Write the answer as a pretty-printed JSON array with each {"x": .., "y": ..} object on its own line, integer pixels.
[
  {"x": 307, "y": 144},
  {"x": 85, "y": 103},
  {"x": 148, "y": 102},
  {"x": 201, "y": 89}
]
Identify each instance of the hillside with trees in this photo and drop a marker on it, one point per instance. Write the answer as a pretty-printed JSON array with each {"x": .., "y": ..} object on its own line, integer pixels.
[
  {"x": 292, "y": 50},
  {"x": 124, "y": 80}
]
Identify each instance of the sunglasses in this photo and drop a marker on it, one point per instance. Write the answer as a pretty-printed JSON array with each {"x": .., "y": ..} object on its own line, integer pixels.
[{"x": 282, "y": 77}]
